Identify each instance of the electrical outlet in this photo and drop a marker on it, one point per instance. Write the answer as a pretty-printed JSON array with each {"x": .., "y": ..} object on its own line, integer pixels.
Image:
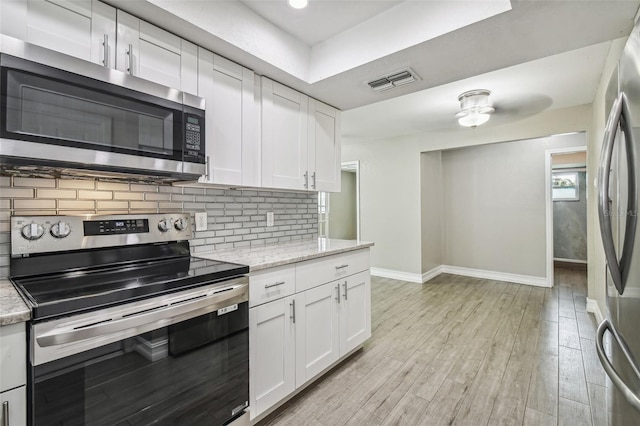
[
  {"x": 269, "y": 218},
  {"x": 201, "y": 221}
]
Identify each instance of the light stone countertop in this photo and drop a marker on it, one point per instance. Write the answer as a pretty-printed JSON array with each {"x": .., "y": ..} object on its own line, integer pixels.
[
  {"x": 12, "y": 307},
  {"x": 271, "y": 255}
]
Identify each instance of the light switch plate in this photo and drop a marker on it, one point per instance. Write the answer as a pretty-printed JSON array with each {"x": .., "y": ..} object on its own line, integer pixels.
[
  {"x": 201, "y": 221},
  {"x": 269, "y": 218}
]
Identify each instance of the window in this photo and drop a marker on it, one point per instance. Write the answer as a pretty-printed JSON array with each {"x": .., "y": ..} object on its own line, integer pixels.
[
  {"x": 323, "y": 214},
  {"x": 565, "y": 187}
]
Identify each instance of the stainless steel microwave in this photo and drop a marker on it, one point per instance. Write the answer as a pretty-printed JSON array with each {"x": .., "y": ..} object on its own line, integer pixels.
[{"x": 59, "y": 112}]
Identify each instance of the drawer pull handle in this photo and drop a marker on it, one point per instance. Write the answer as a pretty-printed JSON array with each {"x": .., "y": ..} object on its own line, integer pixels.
[
  {"x": 5, "y": 413},
  {"x": 274, "y": 284},
  {"x": 341, "y": 267}
]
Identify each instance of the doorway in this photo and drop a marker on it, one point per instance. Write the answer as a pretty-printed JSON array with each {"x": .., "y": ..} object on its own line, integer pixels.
[
  {"x": 339, "y": 212},
  {"x": 566, "y": 209}
]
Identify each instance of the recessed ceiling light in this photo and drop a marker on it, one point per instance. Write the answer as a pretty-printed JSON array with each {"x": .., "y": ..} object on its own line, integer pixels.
[{"x": 298, "y": 4}]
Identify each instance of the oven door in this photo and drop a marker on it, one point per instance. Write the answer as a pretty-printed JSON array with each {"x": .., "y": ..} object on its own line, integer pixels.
[
  {"x": 180, "y": 359},
  {"x": 60, "y": 118}
]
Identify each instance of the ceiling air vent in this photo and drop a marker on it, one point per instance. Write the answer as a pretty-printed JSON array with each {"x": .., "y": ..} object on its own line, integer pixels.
[{"x": 396, "y": 79}]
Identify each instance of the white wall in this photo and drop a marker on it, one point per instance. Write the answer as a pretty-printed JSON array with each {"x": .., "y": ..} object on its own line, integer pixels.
[
  {"x": 431, "y": 209},
  {"x": 343, "y": 209},
  {"x": 495, "y": 207},
  {"x": 389, "y": 202},
  {"x": 390, "y": 179}
]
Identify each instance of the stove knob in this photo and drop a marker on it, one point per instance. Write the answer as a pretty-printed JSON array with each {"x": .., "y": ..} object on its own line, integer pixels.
[
  {"x": 163, "y": 225},
  {"x": 60, "y": 229},
  {"x": 180, "y": 224},
  {"x": 32, "y": 231}
]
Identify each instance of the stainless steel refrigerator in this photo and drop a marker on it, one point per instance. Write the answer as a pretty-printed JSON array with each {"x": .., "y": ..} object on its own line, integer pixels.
[{"x": 618, "y": 183}]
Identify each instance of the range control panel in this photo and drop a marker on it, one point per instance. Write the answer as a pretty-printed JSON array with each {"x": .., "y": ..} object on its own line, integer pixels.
[{"x": 43, "y": 234}]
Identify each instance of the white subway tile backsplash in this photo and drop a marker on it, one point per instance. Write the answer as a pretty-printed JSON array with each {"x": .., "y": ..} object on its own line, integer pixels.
[
  {"x": 76, "y": 184},
  {"x": 112, "y": 205},
  {"x": 156, "y": 196},
  {"x": 34, "y": 204},
  {"x": 76, "y": 205},
  {"x": 143, "y": 205},
  {"x": 137, "y": 196},
  {"x": 9, "y": 193},
  {"x": 236, "y": 217},
  {"x": 34, "y": 182},
  {"x": 95, "y": 195},
  {"x": 56, "y": 193},
  {"x": 112, "y": 186}
]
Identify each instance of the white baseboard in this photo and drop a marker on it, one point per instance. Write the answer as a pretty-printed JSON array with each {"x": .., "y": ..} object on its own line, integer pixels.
[
  {"x": 560, "y": 259},
  {"x": 426, "y": 276},
  {"x": 497, "y": 276},
  {"x": 456, "y": 270},
  {"x": 397, "y": 275},
  {"x": 592, "y": 306}
]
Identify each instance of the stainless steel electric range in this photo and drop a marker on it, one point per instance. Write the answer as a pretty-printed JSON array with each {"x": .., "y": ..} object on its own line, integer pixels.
[{"x": 127, "y": 328}]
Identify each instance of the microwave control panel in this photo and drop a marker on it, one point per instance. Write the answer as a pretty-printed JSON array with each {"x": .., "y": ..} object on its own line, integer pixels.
[{"x": 193, "y": 135}]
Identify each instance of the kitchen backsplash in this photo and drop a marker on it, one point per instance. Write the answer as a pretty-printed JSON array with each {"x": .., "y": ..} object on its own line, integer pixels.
[{"x": 236, "y": 217}]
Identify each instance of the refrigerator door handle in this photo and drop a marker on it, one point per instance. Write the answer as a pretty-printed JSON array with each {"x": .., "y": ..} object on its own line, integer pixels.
[
  {"x": 628, "y": 393},
  {"x": 619, "y": 270}
]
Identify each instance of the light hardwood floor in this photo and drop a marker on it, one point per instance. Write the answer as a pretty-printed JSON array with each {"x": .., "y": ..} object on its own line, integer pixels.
[{"x": 465, "y": 351}]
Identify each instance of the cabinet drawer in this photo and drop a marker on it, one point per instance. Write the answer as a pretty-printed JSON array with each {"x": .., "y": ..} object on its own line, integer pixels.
[
  {"x": 271, "y": 284},
  {"x": 314, "y": 272},
  {"x": 13, "y": 351}
]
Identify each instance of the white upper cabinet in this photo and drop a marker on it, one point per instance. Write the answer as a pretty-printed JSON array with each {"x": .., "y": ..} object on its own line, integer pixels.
[
  {"x": 284, "y": 137},
  {"x": 300, "y": 141},
  {"x": 85, "y": 29},
  {"x": 232, "y": 143},
  {"x": 324, "y": 147},
  {"x": 154, "y": 54}
]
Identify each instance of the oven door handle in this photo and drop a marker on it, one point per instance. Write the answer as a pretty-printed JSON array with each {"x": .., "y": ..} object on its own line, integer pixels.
[{"x": 148, "y": 319}]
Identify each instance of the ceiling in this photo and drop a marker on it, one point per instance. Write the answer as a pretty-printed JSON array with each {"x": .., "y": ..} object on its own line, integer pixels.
[
  {"x": 321, "y": 20},
  {"x": 533, "y": 55}
]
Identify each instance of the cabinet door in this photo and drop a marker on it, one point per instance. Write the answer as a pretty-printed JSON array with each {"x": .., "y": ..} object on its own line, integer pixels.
[
  {"x": 324, "y": 147},
  {"x": 284, "y": 137},
  {"x": 355, "y": 311},
  {"x": 103, "y": 34},
  {"x": 228, "y": 90},
  {"x": 272, "y": 353},
  {"x": 317, "y": 340},
  {"x": 148, "y": 52},
  {"x": 16, "y": 400},
  {"x": 77, "y": 28},
  {"x": 13, "y": 351}
]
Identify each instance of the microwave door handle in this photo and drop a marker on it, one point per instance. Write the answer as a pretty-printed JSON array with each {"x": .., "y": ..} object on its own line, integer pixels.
[
  {"x": 632, "y": 195},
  {"x": 626, "y": 391},
  {"x": 603, "y": 193}
]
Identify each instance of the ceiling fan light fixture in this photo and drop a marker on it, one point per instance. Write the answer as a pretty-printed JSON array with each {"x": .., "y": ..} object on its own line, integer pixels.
[
  {"x": 298, "y": 4},
  {"x": 475, "y": 108}
]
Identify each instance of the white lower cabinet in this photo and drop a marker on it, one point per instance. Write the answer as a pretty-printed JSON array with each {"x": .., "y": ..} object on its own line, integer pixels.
[
  {"x": 15, "y": 402},
  {"x": 272, "y": 353},
  {"x": 355, "y": 311},
  {"x": 317, "y": 339},
  {"x": 13, "y": 374},
  {"x": 295, "y": 338}
]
